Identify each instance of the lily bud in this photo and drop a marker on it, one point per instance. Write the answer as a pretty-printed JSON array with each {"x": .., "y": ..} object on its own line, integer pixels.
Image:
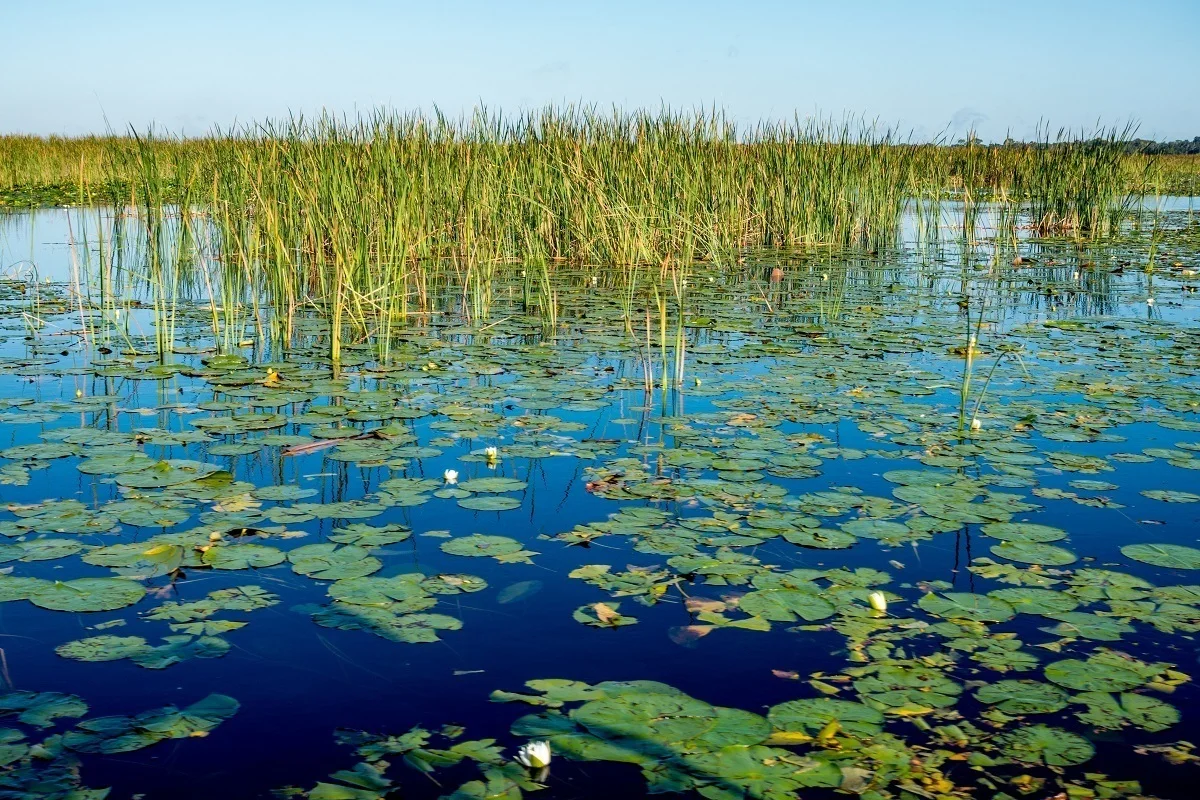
[{"x": 878, "y": 602}]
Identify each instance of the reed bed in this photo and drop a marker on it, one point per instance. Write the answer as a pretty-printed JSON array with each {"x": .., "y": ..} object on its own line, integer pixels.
[{"x": 365, "y": 221}]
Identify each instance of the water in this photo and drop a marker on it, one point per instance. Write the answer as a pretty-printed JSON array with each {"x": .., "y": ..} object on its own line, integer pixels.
[{"x": 845, "y": 370}]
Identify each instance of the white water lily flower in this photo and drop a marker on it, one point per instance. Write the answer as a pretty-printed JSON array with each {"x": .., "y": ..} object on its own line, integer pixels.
[
  {"x": 1149, "y": 301},
  {"x": 492, "y": 453},
  {"x": 878, "y": 601},
  {"x": 976, "y": 424},
  {"x": 535, "y": 755},
  {"x": 450, "y": 476}
]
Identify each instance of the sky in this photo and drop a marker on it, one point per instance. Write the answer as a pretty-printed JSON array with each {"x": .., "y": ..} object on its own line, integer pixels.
[{"x": 928, "y": 68}]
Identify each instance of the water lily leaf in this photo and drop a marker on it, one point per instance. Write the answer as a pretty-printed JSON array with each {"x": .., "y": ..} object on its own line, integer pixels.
[
  {"x": 1104, "y": 672},
  {"x": 811, "y": 716},
  {"x": 735, "y": 727},
  {"x": 1019, "y": 697},
  {"x": 602, "y": 615},
  {"x": 365, "y": 535},
  {"x": 786, "y": 605},
  {"x": 1023, "y": 532},
  {"x": 41, "y": 709},
  {"x": 478, "y": 545},
  {"x": 1080, "y": 624},
  {"x": 166, "y": 473},
  {"x": 246, "y": 555},
  {"x": 1168, "y": 496},
  {"x": 387, "y": 622},
  {"x": 1109, "y": 711},
  {"x": 237, "y": 598},
  {"x": 1168, "y": 556},
  {"x": 157, "y": 556},
  {"x": 898, "y": 685},
  {"x": 1033, "y": 600},
  {"x": 346, "y": 509},
  {"x": 963, "y": 605},
  {"x": 1041, "y": 744},
  {"x": 492, "y": 485},
  {"x": 126, "y": 734},
  {"x": 821, "y": 538},
  {"x": 453, "y": 583},
  {"x": 328, "y": 562},
  {"x": 41, "y": 549},
  {"x": 282, "y": 493},
  {"x": 489, "y": 503},
  {"x": 405, "y": 589},
  {"x": 665, "y": 718},
  {"x": 115, "y": 648},
  {"x": 1034, "y": 553},
  {"x": 115, "y": 464},
  {"x": 364, "y": 782},
  {"x": 40, "y": 450},
  {"x": 87, "y": 594}
]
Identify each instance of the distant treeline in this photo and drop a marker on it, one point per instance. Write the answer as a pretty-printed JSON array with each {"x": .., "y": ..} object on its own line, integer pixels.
[{"x": 1179, "y": 147}]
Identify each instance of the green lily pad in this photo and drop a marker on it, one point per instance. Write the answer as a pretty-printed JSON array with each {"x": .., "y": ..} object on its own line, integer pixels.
[
  {"x": 493, "y": 485},
  {"x": 1023, "y": 532},
  {"x": 665, "y": 718},
  {"x": 786, "y": 605},
  {"x": 1019, "y": 697},
  {"x": 329, "y": 562},
  {"x": 87, "y": 594},
  {"x": 1034, "y": 553},
  {"x": 126, "y": 734},
  {"x": 1033, "y": 600},
  {"x": 1082, "y": 625},
  {"x": 1169, "y": 556},
  {"x": 963, "y": 605},
  {"x": 166, "y": 473},
  {"x": 247, "y": 555},
  {"x": 489, "y": 503},
  {"x": 41, "y": 709},
  {"x": 811, "y": 716},
  {"x": 1041, "y": 744}
]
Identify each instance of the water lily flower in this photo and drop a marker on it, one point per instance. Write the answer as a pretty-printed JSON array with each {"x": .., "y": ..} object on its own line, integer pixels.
[
  {"x": 450, "y": 476},
  {"x": 976, "y": 424},
  {"x": 878, "y": 601},
  {"x": 535, "y": 755},
  {"x": 492, "y": 453},
  {"x": 1149, "y": 301}
]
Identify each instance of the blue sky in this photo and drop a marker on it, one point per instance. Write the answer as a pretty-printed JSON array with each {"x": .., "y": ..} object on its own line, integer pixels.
[{"x": 929, "y": 67}]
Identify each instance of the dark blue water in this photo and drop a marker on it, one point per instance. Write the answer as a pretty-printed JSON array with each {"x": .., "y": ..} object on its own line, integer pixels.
[{"x": 298, "y": 682}]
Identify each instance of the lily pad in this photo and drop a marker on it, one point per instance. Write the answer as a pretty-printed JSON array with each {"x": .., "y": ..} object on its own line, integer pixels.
[
  {"x": 1034, "y": 553},
  {"x": 1169, "y": 556},
  {"x": 87, "y": 594}
]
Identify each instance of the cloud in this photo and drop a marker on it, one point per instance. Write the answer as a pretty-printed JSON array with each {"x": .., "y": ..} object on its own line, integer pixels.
[{"x": 966, "y": 119}]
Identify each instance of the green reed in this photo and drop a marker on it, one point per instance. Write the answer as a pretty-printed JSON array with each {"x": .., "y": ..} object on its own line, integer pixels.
[{"x": 371, "y": 223}]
